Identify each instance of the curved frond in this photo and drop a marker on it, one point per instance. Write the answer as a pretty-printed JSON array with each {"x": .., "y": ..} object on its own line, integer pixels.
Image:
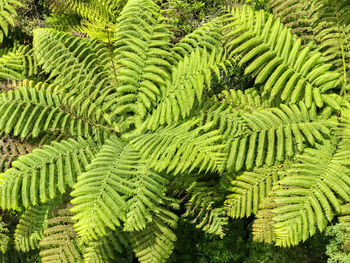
[
  {"x": 269, "y": 51},
  {"x": 263, "y": 230},
  {"x": 185, "y": 89},
  {"x": 60, "y": 243},
  {"x": 45, "y": 173},
  {"x": 11, "y": 149},
  {"x": 117, "y": 188},
  {"x": 80, "y": 66},
  {"x": 7, "y": 14},
  {"x": 297, "y": 15},
  {"x": 31, "y": 226},
  {"x": 275, "y": 134},
  {"x": 107, "y": 249},
  {"x": 209, "y": 36},
  {"x": 202, "y": 208},
  {"x": 155, "y": 243},
  {"x": 5, "y": 238},
  {"x": 27, "y": 112},
  {"x": 250, "y": 189},
  {"x": 17, "y": 63},
  {"x": 143, "y": 59},
  {"x": 332, "y": 33},
  {"x": 312, "y": 193},
  {"x": 182, "y": 148}
]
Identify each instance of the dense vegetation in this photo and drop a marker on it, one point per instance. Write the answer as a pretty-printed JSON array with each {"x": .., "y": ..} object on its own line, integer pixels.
[{"x": 174, "y": 131}]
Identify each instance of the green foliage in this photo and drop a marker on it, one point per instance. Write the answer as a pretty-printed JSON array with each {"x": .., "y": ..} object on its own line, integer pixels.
[
  {"x": 17, "y": 63},
  {"x": 137, "y": 127},
  {"x": 270, "y": 52},
  {"x": 7, "y": 13}
]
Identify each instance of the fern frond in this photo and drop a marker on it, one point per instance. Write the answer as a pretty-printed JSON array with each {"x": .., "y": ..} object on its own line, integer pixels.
[
  {"x": 31, "y": 226},
  {"x": 270, "y": 52},
  {"x": 263, "y": 230},
  {"x": 11, "y": 149},
  {"x": 182, "y": 148},
  {"x": 142, "y": 54},
  {"x": 28, "y": 112},
  {"x": 209, "y": 36},
  {"x": 312, "y": 193},
  {"x": 117, "y": 187},
  {"x": 203, "y": 210},
  {"x": 43, "y": 174},
  {"x": 275, "y": 134},
  {"x": 80, "y": 66},
  {"x": 5, "y": 238},
  {"x": 332, "y": 33},
  {"x": 185, "y": 90},
  {"x": 7, "y": 14},
  {"x": 110, "y": 248},
  {"x": 344, "y": 217},
  {"x": 297, "y": 15},
  {"x": 250, "y": 190},
  {"x": 247, "y": 100},
  {"x": 60, "y": 243},
  {"x": 62, "y": 22},
  {"x": 17, "y": 63},
  {"x": 155, "y": 243},
  {"x": 90, "y": 10}
]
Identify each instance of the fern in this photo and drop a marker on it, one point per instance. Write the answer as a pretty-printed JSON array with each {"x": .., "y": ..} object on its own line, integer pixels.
[
  {"x": 27, "y": 112},
  {"x": 275, "y": 134},
  {"x": 17, "y": 63},
  {"x": 270, "y": 52},
  {"x": 263, "y": 226},
  {"x": 332, "y": 32},
  {"x": 60, "y": 243},
  {"x": 312, "y": 197},
  {"x": 30, "y": 229},
  {"x": 6, "y": 240},
  {"x": 110, "y": 248},
  {"x": 296, "y": 14},
  {"x": 250, "y": 190},
  {"x": 39, "y": 176},
  {"x": 11, "y": 149},
  {"x": 202, "y": 208},
  {"x": 155, "y": 243},
  {"x": 117, "y": 187},
  {"x": 7, "y": 13}
]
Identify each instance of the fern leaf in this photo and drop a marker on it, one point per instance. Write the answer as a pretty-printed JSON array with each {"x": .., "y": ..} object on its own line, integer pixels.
[
  {"x": 60, "y": 243},
  {"x": 275, "y": 134},
  {"x": 155, "y": 243},
  {"x": 182, "y": 148},
  {"x": 270, "y": 52},
  {"x": 250, "y": 190},
  {"x": 5, "y": 238},
  {"x": 332, "y": 32},
  {"x": 142, "y": 53},
  {"x": 263, "y": 226},
  {"x": 31, "y": 226},
  {"x": 312, "y": 193},
  {"x": 189, "y": 79},
  {"x": 117, "y": 188},
  {"x": 297, "y": 15},
  {"x": 39, "y": 176},
  {"x": 209, "y": 36},
  {"x": 11, "y": 149},
  {"x": 75, "y": 62},
  {"x": 110, "y": 248},
  {"x": 7, "y": 13},
  {"x": 27, "y": 112},
  {"x": 203, "y": 210},
  {"x": 17, "y": 63}
]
